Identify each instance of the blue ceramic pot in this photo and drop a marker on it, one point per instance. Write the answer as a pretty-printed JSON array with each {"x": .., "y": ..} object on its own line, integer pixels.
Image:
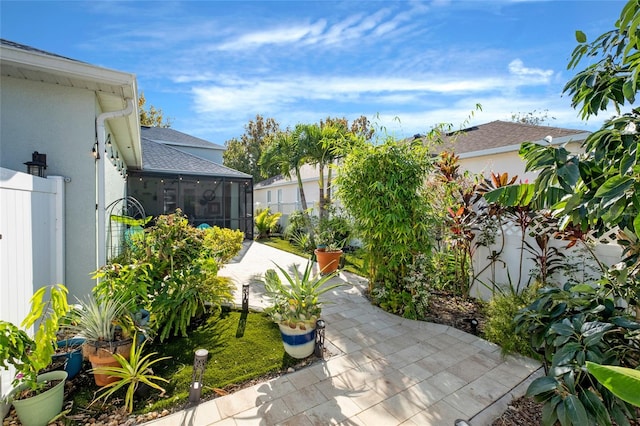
[{"x": 72, "y": 357}]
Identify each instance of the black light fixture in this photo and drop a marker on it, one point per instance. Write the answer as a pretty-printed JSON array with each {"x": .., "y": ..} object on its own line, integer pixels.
[
  {"x": 245, "y": 297},
  {"x": 37, "y": 165},
  {"x": 199, "y": 362},
  {"x": 319, "y": 347}
]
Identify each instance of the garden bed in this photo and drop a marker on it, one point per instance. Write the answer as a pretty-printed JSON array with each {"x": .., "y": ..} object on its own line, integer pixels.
[{"x": 244, "y": 349}]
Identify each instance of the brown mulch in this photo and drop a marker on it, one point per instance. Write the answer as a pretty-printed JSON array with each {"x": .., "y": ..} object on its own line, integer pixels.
[
  {"x": 465, "y": 314},
  {"x": 521, "y": 411}
]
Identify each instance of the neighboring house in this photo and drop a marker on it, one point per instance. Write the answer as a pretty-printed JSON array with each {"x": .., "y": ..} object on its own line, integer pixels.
[
  {"x": 281, "y": 194},
  {"x": 85, "y": 120},
  {"x": 486, "y": 148},
  {"x": 182, "y": 171},
  {"x": 493, "y": 147}
]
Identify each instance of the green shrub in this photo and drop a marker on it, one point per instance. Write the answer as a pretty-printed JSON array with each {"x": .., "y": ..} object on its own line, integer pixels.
[
  {"x": 173, "y": 273},
  {"x": 266, "y": 222},
  {"x": 379, "y": 187},
  {"x": 500, "y": 328},
  {"x": 299, "y": 222},
  {"x": 568, "y": 327},
  {"x": 223, "y": 244}
]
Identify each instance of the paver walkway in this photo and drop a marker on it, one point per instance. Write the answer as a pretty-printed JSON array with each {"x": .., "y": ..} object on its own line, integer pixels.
[{"x": 384, "y": 370}]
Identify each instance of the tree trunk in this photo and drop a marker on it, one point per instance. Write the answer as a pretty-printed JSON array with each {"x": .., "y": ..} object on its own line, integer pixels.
[
  {"x": 303, "y": 198},
  {"x": 327, "y": 201},
  {"x": 321, "y": 191}
]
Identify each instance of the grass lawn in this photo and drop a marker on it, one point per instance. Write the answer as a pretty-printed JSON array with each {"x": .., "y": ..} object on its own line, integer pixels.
[
  {"x": 354, "y": 262},
  {"x": 241, "y": 347}
]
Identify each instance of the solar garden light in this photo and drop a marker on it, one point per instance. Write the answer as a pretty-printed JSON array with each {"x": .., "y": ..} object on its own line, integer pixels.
[
  {"x": 199, "y": 362},
  {"x": 319, "y": 349},
  {"x": 245, "y": 297}
]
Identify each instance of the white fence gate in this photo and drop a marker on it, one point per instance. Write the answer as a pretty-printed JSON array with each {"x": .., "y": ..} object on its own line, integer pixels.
[{"x": 31, "y": 242}]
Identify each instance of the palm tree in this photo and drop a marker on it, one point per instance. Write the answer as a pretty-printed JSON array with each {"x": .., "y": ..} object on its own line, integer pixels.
[{"x": 286, "y": 155}]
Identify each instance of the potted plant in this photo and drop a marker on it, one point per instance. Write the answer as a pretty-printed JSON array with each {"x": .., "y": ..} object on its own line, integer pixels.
[
  {"x": 104, "y": 323},
  {"x": 329, "y": 255},
  {"x": 296, "y": 306},
  {"x": 131, "y": 372},
  {"x": 36, "y": 397}
]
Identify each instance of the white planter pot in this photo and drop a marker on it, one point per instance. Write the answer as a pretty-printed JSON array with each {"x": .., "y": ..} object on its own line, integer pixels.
[{"x": 298, "y": 343}]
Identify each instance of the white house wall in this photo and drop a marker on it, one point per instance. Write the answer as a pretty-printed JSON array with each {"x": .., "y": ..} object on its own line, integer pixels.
[
  {"x": 60, "y": 122},
  {"x": 509, "y": 162},
  {"x": 289, "y": 200}
]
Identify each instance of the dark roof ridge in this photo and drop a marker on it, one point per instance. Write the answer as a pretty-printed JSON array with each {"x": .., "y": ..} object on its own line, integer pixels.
[
  {"x": 27, "y": 48},
  {"x": 167, "y": 135}
]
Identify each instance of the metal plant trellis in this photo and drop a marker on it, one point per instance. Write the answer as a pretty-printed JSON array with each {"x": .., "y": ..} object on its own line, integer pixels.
[{"x": 126, "y": 216}]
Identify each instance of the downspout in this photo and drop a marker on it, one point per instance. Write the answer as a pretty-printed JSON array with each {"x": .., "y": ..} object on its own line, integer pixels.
[{"x": 101, "y": 250}]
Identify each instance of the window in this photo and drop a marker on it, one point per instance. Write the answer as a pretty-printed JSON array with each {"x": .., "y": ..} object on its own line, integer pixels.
[
  {"x": 268, "y": 197},
  {"x": 279, "y": 196}
]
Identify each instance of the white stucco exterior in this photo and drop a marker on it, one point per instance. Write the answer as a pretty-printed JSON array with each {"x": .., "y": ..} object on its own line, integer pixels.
[
  {"x": 50, "y": 105},
  {"x": 507, "y": 160}
]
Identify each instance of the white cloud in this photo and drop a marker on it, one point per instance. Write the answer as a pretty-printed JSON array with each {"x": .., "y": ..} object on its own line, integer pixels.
[
  {"x": 517, "y": 68},
  {"x": 235, "y": 94},
  {"x": 282, "y": 35}
]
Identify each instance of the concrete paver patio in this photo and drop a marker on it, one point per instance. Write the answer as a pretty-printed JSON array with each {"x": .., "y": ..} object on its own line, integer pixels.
[{"x": 383, "y": 369}]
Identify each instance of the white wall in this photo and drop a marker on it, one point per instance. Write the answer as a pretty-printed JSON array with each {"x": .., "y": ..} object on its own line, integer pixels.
[
  {"x": 509, "y": 162},
  {"x": 60, "y": 122},
  {"x": 507, "y": 270}
]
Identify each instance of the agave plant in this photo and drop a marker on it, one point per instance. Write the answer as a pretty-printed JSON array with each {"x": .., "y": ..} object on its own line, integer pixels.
[
  {"x": 98, "y": 319},
  {"x": 296, "y": 302},
  {"x": 132, "y": 372}
]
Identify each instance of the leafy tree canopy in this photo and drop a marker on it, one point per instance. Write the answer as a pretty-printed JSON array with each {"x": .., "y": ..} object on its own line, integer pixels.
[
  {"x": 534, "y": 117},
  {"x": 151, "y": 117},
  {"x": 244, "y": 154}
]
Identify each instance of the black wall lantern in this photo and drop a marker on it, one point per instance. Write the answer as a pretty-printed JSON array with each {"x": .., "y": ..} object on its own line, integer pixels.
[{"x": 37, "y": 165}]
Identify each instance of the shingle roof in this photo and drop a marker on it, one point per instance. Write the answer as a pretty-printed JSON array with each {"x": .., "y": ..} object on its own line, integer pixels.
[
  {"x": 9, "y": 43},
  {"x": 497, "y": 134},
  {"x": 158, "y": 157},
  {"x": 169, "y": 136}
]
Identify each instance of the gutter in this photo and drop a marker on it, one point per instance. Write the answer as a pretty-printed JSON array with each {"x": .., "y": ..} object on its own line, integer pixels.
[{"x": 101, "y": 228}]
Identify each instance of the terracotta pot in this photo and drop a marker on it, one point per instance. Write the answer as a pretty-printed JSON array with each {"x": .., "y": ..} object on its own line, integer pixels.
[
  {"x": 100, "y": 361},
  {"x": 101, "y": 355},
  {"x": 328, "y": 261},
  {"x": 106, "y": 349}
]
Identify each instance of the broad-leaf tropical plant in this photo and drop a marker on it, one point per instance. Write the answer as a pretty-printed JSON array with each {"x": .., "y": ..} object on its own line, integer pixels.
[
  {"x": 30, "y": 355},
  {"x": 623, "y": 382}
]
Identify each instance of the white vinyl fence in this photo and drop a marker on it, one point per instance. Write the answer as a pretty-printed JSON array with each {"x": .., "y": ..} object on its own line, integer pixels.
[
  {"x": 506, "y": 270},
  {"x": 31, "y": 242}
]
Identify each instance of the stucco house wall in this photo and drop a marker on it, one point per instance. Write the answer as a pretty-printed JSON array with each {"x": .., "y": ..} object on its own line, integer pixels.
[
  {"x": 503, "y": 162},
  {"x": 37, "y": 117},
  {"x": 50, "y": 104}
]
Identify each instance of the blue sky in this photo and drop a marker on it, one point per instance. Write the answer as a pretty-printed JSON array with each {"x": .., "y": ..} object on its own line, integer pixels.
[{"x": 211, "y": 66}]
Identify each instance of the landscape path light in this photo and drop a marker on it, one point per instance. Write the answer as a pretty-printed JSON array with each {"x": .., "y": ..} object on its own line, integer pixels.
[
  {"x": 320, "y": 326},
  {"x": 199, "y": 363}
]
